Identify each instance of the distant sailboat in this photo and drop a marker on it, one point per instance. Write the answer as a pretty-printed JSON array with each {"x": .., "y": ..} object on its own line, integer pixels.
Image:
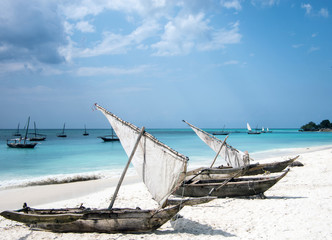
[
  {"x": 37, "y": 136},
  {"x": 110, "y": 138},
  {"x": 62, "y": 134},
  {"x": 222, "y": 132},
  {"x": 266, "y": 131},
  {"x": 85, "y": 132},
  {"x": 21, "y": 142},
  {"x": 17, "y": 133},
  {"x": 250, "y": 131}
]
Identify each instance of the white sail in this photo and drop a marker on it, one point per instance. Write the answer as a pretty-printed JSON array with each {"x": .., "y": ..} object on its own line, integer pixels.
[
  {"x": 230, "y": 155},
  {"x": 248, "y": 127},
  {"x": 160, "y": 167}
]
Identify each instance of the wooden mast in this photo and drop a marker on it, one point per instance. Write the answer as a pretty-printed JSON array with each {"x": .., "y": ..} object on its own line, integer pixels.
[
  {"x": 126, "y": 168},
  {"x": 26, "y": 132},
  {"x": 215, "y": 158}
]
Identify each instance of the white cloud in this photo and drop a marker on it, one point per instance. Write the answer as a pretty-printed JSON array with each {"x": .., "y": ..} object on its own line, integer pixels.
[
  {"x": 31, "y": 30},
  {"x": 94, "y": 71},
  {"x": 68, "y": 28},
  {"x": 313, "y": 49},
  {"x": 324, "y": 12},
  {"x": 231, "y": 4},
  {"x": 85, "y": 26},
  {"x": 184, "y": 33},
  {"x": 307, "y": 8},
  {"x": 297, "y": 45},
  {"x": 132, "y": 89},
  {"x": 35, "y": 67},
  {"x": 264, "y": 3},
  {"x": 314, "y": 35},
  {"x": 116, "y": 43},
  {"x": 78, "y": 9},
  {"x": 231, "y": 62}
]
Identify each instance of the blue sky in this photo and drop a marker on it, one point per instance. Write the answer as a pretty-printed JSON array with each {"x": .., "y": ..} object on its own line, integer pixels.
[{"x": 156, "y": 62}]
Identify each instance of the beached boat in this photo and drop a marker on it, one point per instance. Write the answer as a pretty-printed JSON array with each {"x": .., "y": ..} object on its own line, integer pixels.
[
  {"x": 161, "y": 168},
  {"x": 233, "y": 160},
  {"x": 228, "y": 187},
  {"x": 62, "y": 134},
  {"x": 110, "y": 138},
  {"x": 21, "y": 142},
  {"x": 37, "y": 136},
  {"x": 85, "y": 132},
  {"x": 250, "y": 131}
]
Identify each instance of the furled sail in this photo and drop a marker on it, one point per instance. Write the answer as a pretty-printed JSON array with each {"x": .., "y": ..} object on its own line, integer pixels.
[
  {"x": 248, "y": 127},
  {"x": 230, "y": 155},
  {"x": 160, "y": 167}
]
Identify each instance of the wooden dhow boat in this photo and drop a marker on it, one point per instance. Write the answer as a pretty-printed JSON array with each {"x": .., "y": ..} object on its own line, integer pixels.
[
  {"x": 250, "y": 131},
  {"x": 21, "y": 142},
  {"x": 17, "y": 133},
  {"x": 85, "y": 132},
  {"x": 161, "y": 168},
  {"x": 62, "y": 134},
  {"x": 233, "y": 160},
  {"x": 110, "y": 138},
  {"x": 37, "y": 136},
  {"x": 229, "y": 187}
]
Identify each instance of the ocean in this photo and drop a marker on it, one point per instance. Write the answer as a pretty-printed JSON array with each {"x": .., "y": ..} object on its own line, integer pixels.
[{"x": 68, "y": 159}]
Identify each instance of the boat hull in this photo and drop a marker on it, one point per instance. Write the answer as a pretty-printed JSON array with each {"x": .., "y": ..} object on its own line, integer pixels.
[
  {"x": 36, "y": 139},
  {"x": 62, "y": 135},
  {"x": 252, "y": 169},
  {"x": 234, "y": 188},
  {"x": 271, "y": 167},
  {"x": 87, "y": 220},
  {"x": 21, "y": 145},
  {"x": 106, "y": 139}
]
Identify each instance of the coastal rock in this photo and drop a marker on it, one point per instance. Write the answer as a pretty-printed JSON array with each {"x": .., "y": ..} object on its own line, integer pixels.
[
  {"x": 297, "y": 164},
  {"x": 325, "y": 130}
]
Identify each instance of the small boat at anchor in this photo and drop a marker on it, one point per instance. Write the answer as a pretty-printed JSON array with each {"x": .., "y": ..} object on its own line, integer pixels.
[
  {"x": 110, "y": 138},
  {"x": 62, "y": 134},
  {"x": 21, "y": 142},
  {"x": 85, "y": 132},
  {"x": 250, "y": 131},
  {"x": 37, "y": 136},
  {"x": 17, "y": 133}
]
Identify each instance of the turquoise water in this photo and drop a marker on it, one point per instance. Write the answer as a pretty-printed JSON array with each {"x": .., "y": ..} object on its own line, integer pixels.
[{"x": 78, "y": 155}]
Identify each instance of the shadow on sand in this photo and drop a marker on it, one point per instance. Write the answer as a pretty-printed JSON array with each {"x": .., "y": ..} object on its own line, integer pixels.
[
  {"x": 263, "y": 197},
  {"x": 183, "y": 225},
  {"x": 284, "y": 197}
]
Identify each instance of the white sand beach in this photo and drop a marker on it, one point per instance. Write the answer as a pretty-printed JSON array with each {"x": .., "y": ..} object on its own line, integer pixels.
[{"x": 297, "y": 207}]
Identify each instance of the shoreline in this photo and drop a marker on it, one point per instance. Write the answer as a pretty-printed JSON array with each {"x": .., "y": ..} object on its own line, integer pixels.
[
  {"x": 297, "y": 207},
  {"x": 72, "y": 190},
  {"x": 44, "y": 194}
]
